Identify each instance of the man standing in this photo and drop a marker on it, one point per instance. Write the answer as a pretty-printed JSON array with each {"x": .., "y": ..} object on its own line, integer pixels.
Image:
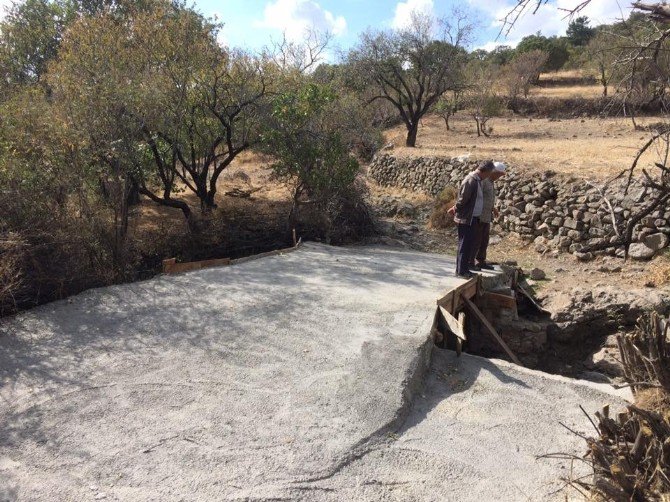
[
  {"x": 488, "y": 213},
  {"x": 467, "y": 211}
]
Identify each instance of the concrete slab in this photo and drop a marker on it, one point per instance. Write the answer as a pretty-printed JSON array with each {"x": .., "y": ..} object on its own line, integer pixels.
[
  {"x": 285, "y": 378},
  {"x": 480, "y": 430},
  {"x": 232, "y": 382}
]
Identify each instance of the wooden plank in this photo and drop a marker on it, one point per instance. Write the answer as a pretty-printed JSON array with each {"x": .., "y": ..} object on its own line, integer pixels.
[
  {"x": 452, "y": 302},
  {"x": 527, "y": 295},
  {"x": 473, "y": 308},
  {"x": 498, "y": 300},
  {"x": 453, "y": 324},
  {"x": 170, "y": 266},
  {"x": 461, "y": 324}
]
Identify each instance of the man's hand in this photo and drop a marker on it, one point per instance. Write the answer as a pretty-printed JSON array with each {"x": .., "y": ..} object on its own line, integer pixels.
[{"x": 452, "y": 210}]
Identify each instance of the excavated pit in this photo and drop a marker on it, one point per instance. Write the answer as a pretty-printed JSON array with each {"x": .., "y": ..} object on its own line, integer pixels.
[{"x": 579, "y": 346}]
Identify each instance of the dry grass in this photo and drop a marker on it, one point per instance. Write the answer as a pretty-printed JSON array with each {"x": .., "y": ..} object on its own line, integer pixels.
[
  {"x": 575, "y": 91},
  {"x": 439, "y": 216},
  {"x": 591, "y": 147},
  {"x": 658, "y": 273}
]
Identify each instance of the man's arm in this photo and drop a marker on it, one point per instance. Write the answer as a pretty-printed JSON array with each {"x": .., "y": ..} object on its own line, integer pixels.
[{"x": 468, "y": 189}]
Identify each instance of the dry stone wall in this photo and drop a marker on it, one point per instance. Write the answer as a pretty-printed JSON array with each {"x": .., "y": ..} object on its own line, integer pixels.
[{"x": 556, "y": 213}]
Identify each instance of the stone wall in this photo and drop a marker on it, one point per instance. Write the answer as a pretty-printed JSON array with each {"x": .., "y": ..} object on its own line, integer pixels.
[{"x": 555, "y": 212}]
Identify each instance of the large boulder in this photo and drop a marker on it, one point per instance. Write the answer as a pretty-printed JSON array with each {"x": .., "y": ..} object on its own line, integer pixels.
[
  {"x": 640, "y": 251},
  {"x": 656, "y": 241}
]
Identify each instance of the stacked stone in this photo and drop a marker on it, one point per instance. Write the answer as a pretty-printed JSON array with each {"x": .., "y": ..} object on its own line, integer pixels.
[
  {"x": 429, "y": 175},
  {"x": 557, "y": 213}
]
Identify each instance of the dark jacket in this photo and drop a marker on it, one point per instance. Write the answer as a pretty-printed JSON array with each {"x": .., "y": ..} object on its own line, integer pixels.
[{"x": 467, "y": 196}]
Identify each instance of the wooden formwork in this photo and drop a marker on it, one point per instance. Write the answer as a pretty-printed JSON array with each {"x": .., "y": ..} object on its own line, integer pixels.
[
  {"x": 450, "y": 314},
  {"x": 170, "y": 266}
]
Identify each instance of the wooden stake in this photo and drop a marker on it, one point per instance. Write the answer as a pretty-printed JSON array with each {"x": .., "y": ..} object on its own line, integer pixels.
[
  {"x": 295, "y": 241},
  {"x": 473, "y": 308}
]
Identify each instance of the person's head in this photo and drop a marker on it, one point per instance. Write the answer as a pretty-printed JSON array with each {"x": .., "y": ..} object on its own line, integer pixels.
[
  {"x": 499, "y": 170},
  {"x": 485, "y": 169}
]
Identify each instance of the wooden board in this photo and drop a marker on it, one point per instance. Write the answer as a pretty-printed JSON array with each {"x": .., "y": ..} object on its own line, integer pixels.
[
  {"x": 485, "y": 322},
  {"x": 170, "y": 266},
  {"x": 453, "y": 302},
  {"x": 500, "y": 301},
  {"x": 454, "y": 325},
  {"x": 532, "y": 301}
]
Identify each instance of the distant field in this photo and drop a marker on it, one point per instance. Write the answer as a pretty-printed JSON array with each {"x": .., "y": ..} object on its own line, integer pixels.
[
  {"x": 590, "y": 147},
  {"x": 575, "y": 91}
]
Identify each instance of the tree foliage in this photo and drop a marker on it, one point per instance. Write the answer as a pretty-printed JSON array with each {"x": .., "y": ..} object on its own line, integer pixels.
[
  {"x": 305, "y": 136},
  {"x": 579, "y": 33},
  {"x": 555, "y": 47},
  {"x": 411, "y": 68},
  {"x": 164, "y": 106}
]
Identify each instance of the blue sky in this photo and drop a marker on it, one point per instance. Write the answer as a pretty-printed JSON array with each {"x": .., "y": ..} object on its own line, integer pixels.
[{"x": 252, "y": 24}]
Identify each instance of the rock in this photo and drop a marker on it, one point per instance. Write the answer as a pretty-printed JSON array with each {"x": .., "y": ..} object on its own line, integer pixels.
[
  {"x": 583, "y": 256},
  {"x": 656, "y": 241},
  {"x": 640, "y": 251},
  {"x": 537, "y": 274},
  {"x": 573, "y": 224},
  {"x": 605, "y": 361}
]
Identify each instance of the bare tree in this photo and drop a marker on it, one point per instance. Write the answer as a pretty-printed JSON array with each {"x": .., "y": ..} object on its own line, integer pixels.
[
  {"x": 300, "y": 55},
  {"x": 411, "y": 68},
  {"x": 482, "y": 96},
  {"x": 448, "y": 104},
  {"x": 603, "y": 52},
  {"x": 523, "y": 72}
]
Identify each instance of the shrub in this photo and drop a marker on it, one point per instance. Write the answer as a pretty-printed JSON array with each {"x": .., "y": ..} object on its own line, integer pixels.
[{"x": 439, "y": 216}]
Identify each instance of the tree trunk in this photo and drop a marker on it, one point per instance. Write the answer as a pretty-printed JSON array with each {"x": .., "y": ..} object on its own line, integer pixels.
[
  {"x": 412, "y": 131},
  {"x": 169, "y": 202},
  {"x": 479, "y": 130},
  {"x": 604, "y": 90},
  {"x": 209, "y": 199}
]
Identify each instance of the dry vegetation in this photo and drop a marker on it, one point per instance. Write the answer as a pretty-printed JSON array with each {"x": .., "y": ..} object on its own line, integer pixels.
[
  {"x": 589, "y": 147},
  {"x": 577, "y": 91}
]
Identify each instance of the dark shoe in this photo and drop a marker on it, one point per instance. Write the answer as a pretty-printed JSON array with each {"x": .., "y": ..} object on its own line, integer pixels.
[
  {"x": 486, "y": 266},
  {"x": 474, "y": 267},
  {"x": 466, "y": 275}
]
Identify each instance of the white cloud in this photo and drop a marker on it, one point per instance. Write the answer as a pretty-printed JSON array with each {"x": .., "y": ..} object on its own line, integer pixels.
[
  {"x": 551, "y": 19},
  {"x": 4, "y": 6},
  {"x": 296, "y": 17},
  {"x": 403, "y": 12}
]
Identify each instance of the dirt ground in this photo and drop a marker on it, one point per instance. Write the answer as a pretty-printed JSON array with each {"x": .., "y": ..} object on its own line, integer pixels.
[
  {"x": 593, "y": 148},
  {"x": 249, "y": 171}
]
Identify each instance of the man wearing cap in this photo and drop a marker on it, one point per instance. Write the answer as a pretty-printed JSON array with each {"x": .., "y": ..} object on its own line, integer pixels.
[
  {"x": 488, "y": 213},
  {"x": 467, "y": 211}
]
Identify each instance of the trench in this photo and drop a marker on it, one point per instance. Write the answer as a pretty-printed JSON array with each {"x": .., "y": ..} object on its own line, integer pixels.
[{"x": 565, "y": 349}]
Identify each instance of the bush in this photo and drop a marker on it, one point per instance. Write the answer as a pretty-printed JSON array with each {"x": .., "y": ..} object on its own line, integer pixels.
[{"x": 439, "y": 216}]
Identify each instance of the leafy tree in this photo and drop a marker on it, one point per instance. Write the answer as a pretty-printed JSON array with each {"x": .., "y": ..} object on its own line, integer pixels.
[
  {"x": 29, "y": 38},
  {"x": 162, "y": 103},
  {"x": 410, "y": 68},
  {"x": 501, "y": 55},
  {"x": 555, "y": 47},
  {"x": 579, "y": 33},
  {"x": 603, "y": 53},
  {"x": 305, "y": 136},
  {"x": 449, "y": 104}
]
